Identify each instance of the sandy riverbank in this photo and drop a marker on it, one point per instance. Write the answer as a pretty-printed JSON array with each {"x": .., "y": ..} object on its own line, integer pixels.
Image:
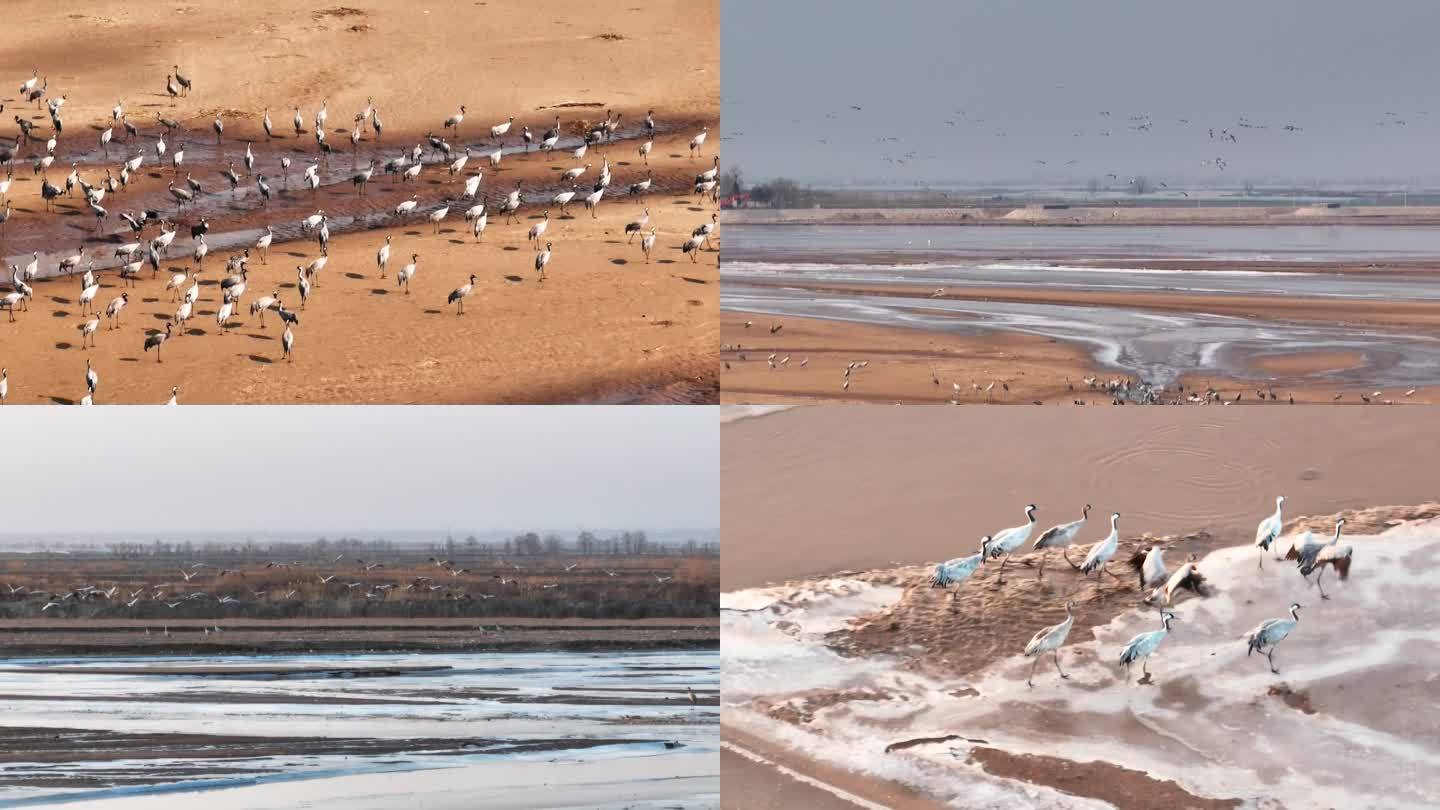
[
  {"x": 604, "y": 328},
  {"x": 903, "y": 365}
]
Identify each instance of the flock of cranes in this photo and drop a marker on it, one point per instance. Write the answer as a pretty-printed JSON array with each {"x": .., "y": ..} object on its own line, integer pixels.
[
  {"x": 185, "y": 287},
  {"x": 205, "y": 584},
  {"x": 1311, "y": 555}
]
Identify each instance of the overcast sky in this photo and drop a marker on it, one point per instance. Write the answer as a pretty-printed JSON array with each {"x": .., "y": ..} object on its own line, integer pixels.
[
  {"x": 1041, "y": 73},
  {"x": 328, "y": 468}
]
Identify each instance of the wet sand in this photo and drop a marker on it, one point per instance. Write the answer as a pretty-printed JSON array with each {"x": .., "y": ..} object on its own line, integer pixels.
[
  {"x": 904, "y": 363},
  {"x": 951, "y": 476},
  {"x": 631, "y": 332},
  {"x": 236, "y": 728}
]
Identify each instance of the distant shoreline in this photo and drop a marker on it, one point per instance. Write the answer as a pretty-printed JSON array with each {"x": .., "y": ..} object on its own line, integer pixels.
[{"x": 1089, "y": 215}]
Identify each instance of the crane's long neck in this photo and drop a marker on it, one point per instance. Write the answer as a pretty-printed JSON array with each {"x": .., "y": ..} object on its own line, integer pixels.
[{"x": 1295, "y": 613}]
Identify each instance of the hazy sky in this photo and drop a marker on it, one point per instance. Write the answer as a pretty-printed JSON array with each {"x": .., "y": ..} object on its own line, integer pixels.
[
  {"x": 327, "y": 468},
  {"x": 1041, "y": 72}
]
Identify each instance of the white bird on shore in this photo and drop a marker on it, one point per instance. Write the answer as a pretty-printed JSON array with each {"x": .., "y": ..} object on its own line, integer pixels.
[
  {"x": 1186, "y": 576},
  {"x": 112, "y": 310},
  {"x": 692, "y": 247},
  {"x": 698, "y": 141},
  {"x": 645, "y": 151},
  {"x": 1049, "y": 640},
  {"x": 287, "y": 344},
  {"x": 1151, "y": 566},
  {"x": 262, "y": 304},
  {"x": 1005, "y": 542},
  {"x": 1312, "y": 557},
  {"x": 174, "y": 393},
  {"x": 382, "y": 256},
  {"x": 647, "y": 244},
  {"x": 407, "y": 206},
  {"x": 592, "y": 201},
  {"x": 1270, "y": 633},
  {"x": 1144, "y": 645},
  {"x": 402, "y": 278},
  {"x": 956, "y": 571},
  {"x": 1101, "y": 552},
  {"x": 478, "y": 223},
  {"x": 263, "y": 244},
  {"x": 88, "y": 329},
  {"x": 1269, "y": 529},
  {"x": 498, "y": 131},
  {"x": 538, "y": 229},
  {"x": 459, "y": 294},
  {"x": 156, "y": 340},
  {"x": 638, "y": 226},
  {"x": 438, "y": 215},
  {"x": 92, "y": 379},
  {"x": 1061, "y": 537},
  {"x": 563, "y": 199},
  {"x": 543, "y": 258}
]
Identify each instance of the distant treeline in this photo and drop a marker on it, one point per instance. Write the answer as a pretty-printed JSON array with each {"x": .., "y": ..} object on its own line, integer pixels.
[{"x": 525, "y": 544}]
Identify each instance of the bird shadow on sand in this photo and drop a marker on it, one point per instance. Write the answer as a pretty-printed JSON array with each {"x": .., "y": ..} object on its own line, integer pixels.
[
  {"x": 57, "y": 299},
  {"x": 196, "y": 332},
  {"x": 354, "y": 275},
  {"x": 59, "y": 314},
  {"x": 129, "y": 359},
  {"x": 511, "y": 248},
  {"x": 619, "y": 261},
  {"x": 257, "y": 336},
  {"x": 694, "y": 280},
  {"x": 515, "y": 279},
  {"x": 431, "y": 311},
  {"x": 295, "y": 253},
  {"x": 62, "y": 345},
  {"x": 413, "y": 233},
  {"x": 260, "y": 358},
  {"x": 456, "y": 241},
  {"x": 150, "y": 300},
  {"x": 378, "y": 291},
  {"x": 61, "y": 400}
]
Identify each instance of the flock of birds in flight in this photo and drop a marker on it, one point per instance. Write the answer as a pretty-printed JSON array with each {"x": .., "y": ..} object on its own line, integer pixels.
[
  {"x": 1311, "y": 555},
  {"x": 185, "y": 287},
  {"x": 1222, "y": 143}
]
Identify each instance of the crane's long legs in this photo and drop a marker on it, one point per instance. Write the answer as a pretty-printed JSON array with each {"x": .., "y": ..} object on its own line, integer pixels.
[
  {"x": 1066, "y": 554},
  {"x": 1057, "y": 666},
  {"x": 1271, "y": 656},
  {"x": 1040, "y": 572},
  {"x": 1318, "y": 585},
  {"x": 1261, "y": 559},
  {"x": 1030, "y": 682},
  {"x": 1001, "y": 579}
]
